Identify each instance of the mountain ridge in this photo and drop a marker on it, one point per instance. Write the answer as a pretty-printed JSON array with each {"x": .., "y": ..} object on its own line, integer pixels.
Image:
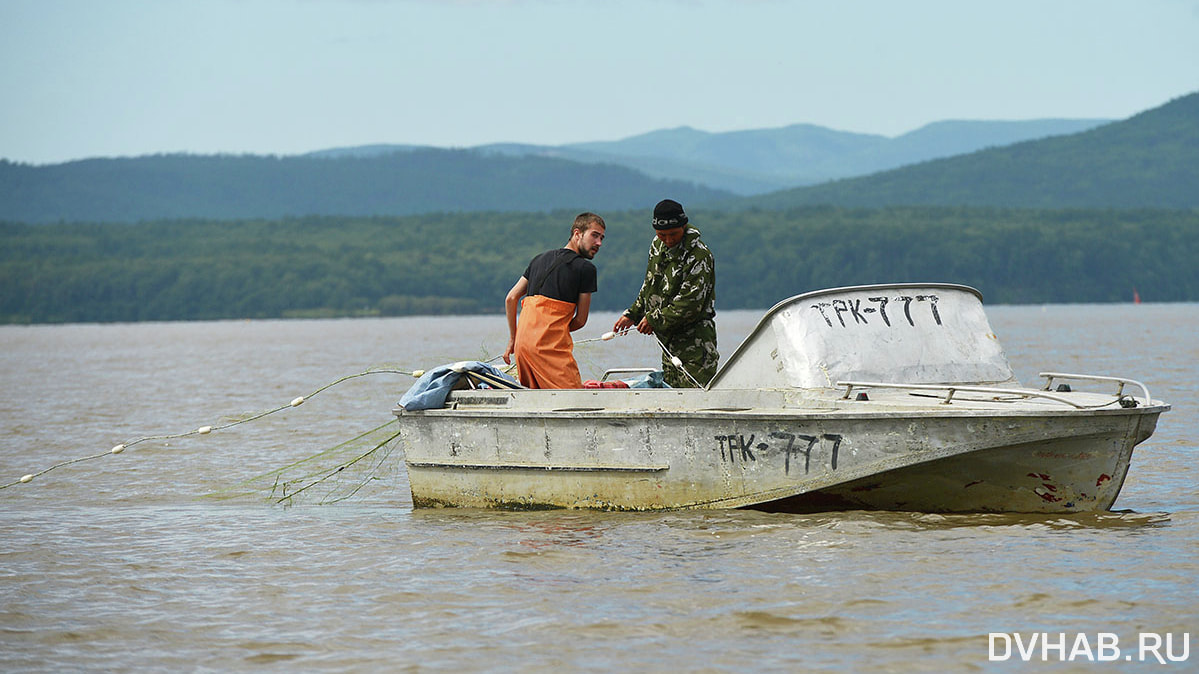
[
  {"x": 1150, "y": 160},
  {"x": 758, "y": 161},
  {"x": 251, "y": 186}
]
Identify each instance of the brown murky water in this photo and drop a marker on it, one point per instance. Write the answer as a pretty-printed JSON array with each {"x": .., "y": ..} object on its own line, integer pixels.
[{"x": 125, "y": 562}]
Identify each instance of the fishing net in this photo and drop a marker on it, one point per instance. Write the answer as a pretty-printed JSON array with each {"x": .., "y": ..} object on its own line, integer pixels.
[{"x": 365, "y": 467}]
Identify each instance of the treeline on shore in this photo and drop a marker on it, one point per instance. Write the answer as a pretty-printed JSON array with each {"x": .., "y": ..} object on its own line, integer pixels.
[{"x": 465, "y": 263}]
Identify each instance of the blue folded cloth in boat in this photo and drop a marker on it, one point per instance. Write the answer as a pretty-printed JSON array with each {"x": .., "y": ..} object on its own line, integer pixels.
[
  {"x": 650, "y": 380},
  {"x": 434, "y": 386}
]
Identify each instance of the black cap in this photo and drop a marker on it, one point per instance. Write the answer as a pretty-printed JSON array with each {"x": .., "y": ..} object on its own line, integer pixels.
[{"x": 668, "y": 214}]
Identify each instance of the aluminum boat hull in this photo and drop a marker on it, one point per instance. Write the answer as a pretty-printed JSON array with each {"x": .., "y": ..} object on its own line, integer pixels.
[{"x": 654, "y": 450}]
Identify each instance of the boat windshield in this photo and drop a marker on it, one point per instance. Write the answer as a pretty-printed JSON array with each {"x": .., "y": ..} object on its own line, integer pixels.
[{"x": 904, "y": 333}]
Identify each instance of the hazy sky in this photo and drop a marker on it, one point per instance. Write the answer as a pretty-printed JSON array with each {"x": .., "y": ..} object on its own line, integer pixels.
[{"x": 88, "y": 78}]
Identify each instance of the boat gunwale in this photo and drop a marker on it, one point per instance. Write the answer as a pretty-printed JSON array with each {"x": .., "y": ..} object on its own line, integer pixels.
[{"x": 961, "y": 408}]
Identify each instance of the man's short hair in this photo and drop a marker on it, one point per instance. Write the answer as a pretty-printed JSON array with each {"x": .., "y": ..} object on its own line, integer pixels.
[{"x": 585, "y": 221}]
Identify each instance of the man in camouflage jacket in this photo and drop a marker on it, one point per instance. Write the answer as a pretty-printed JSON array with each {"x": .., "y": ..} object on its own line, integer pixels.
[{"x": 677, "y": 301}]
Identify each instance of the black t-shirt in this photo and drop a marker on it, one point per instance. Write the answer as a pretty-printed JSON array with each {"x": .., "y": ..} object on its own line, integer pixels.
[{"x": 560, "y": 274}]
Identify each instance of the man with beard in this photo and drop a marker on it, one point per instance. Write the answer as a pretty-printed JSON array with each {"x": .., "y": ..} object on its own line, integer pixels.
[{"x": 556, "y": 287}]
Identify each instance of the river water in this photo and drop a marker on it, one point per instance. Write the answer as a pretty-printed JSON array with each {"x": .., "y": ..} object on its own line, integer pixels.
[{"x": 174, "y": 556}]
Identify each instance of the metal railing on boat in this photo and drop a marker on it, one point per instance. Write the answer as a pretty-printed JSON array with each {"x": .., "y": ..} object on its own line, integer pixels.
[
  {"x": 1120, "y": 381},
  {"x": 950, "y": 390}
]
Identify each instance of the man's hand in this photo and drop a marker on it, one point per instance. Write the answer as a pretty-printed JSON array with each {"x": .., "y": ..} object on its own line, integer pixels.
[{"x": 622, "y": 324}]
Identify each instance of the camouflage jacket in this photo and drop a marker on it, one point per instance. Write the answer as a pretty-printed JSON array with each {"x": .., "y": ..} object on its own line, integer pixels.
[{"x": 680, "y": 286}]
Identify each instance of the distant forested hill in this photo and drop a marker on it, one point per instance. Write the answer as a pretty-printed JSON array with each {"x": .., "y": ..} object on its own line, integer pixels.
[
  {"x": 762, "y": 160},
  {"x": 757, "y": 161},
  {"x": 232, "y": 187},
  {"x": 1150, "y": 160},
  {"x": 464, "y": 263},
  {"x": 692, "y": 166}
]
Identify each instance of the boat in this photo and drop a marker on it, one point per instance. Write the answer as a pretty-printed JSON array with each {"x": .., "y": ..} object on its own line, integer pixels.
[{"x": 880, "y": 397}]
